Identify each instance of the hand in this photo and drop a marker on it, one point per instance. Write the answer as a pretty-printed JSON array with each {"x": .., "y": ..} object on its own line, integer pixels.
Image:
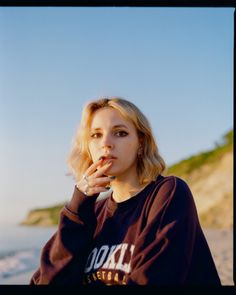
[{"x": 94, "y": 181}]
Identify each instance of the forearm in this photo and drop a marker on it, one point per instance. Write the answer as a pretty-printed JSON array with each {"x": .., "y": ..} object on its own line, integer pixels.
[{"x": 70, "y": 243}]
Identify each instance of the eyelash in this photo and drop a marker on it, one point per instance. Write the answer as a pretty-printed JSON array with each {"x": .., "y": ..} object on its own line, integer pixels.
[{"x": 98, "y": 134}]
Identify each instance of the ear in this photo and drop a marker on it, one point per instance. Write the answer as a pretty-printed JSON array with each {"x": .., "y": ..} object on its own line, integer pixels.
[
  {"x": 141, "y": 140},
  {"x": 140, "y": 151}
]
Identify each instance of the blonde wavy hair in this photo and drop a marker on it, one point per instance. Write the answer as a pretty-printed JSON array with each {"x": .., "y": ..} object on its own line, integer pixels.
[{"x": 149, "y": 166}]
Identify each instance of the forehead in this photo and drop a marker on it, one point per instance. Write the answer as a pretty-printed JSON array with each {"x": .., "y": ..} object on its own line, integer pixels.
[{"x": 108, "y": 117}]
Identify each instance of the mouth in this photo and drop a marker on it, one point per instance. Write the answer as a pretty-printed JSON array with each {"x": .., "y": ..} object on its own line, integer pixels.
[{"x": 108, "y": 157}]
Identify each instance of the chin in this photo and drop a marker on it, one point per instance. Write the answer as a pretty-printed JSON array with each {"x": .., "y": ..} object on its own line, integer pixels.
[{"x": 111, "y": 172}]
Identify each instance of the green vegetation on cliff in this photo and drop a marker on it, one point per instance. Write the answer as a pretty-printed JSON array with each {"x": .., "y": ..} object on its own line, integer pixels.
[
  {"x": 44, "y": 216},
  {"x": 187, "y": 166}
]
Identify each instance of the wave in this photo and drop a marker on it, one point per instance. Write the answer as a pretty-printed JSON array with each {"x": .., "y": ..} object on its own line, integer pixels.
[{"x": 15, "y": 262}]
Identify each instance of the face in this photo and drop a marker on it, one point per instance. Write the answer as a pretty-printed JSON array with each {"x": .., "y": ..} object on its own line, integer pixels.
[{"x": 115, "y": 138}]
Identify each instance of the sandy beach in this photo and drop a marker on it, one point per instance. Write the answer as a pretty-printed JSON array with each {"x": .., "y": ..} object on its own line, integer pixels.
[{"x": 220, "y": 243}]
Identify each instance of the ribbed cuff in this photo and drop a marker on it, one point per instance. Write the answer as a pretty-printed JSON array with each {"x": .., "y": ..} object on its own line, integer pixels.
[{"x": 78, "y": 199}]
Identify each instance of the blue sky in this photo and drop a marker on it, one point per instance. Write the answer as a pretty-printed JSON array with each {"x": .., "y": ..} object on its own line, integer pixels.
[{"x": 176, "y": 64}]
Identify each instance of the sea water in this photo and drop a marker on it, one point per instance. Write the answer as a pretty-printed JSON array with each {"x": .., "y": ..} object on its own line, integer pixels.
[{"x": 20, "y": 249}]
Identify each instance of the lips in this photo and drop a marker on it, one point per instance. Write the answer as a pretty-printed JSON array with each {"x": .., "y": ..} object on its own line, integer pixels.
[{"x": 107, "y": 157}]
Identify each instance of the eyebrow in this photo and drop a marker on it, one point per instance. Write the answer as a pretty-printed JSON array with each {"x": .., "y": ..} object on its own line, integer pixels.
[{"x": 113, "y": 127}]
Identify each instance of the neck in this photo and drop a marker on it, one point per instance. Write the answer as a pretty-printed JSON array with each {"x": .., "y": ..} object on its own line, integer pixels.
[{"x": 124, "y": 190}]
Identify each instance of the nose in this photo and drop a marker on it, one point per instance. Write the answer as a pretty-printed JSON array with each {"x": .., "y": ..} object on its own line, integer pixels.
[{"x": 107, "y": 142}]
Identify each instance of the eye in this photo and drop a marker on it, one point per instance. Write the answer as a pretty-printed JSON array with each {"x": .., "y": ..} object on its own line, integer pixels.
[
  {"x": 96, "y": 135},
  {"x": 121, "y": 133}
]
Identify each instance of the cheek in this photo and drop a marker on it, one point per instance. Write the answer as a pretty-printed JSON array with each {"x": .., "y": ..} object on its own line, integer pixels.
[
  {"x": 129, "y": 154},
  {"x": 131, "y": 148}
]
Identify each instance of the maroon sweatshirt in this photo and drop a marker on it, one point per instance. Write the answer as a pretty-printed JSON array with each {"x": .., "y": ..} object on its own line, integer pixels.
[{"x": 153, "y": 238}]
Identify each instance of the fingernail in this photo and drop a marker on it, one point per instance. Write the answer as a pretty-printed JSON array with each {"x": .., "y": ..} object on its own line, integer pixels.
[{"x": 112, "y": 177}]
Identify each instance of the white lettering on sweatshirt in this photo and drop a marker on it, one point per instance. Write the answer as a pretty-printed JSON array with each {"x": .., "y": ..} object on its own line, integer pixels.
[{"x": 116, "y": 257}]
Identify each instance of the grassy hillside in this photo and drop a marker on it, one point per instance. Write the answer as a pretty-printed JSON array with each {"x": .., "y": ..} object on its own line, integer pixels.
[
  {"x": 209, "y": 175},
  {"x": 185, "y": 167},
  {"x": 43, "y": 216}
]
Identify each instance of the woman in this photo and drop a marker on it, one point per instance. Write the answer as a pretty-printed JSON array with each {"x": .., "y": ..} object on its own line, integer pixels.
[{"x": 145, "y": 232}]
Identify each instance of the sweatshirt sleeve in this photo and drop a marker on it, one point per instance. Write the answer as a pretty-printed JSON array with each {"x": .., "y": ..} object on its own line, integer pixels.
[
  {"x": 164, "y": 249},
  {"x": 62, "y": 257}
]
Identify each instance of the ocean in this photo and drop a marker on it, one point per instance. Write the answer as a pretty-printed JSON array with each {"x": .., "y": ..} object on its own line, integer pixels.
[{"x": 20, "y": 248}]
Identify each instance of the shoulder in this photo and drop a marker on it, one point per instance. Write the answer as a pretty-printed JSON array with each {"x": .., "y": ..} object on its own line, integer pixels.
[
  {"x": 168, "y": 184},
  {"x": 171, "y": 189},
  {"x": 172, "y": 198}
]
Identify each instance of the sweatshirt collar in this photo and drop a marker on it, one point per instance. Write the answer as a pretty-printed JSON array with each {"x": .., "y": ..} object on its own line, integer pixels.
[{"x": 113, "y": 206}]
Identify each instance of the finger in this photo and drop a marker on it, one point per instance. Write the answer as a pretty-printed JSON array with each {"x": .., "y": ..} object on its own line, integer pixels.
[
  {"x": 103, "y": 169},
  {"x": 104, "y": 161},
  {"x": 102, "y": 181},
  {"x": 93, "y": 167}
]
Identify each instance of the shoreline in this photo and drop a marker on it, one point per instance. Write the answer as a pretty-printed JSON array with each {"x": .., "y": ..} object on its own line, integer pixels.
[
  {"x": 220, "y": 242},
  {"x": 19, "y": 279}
]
